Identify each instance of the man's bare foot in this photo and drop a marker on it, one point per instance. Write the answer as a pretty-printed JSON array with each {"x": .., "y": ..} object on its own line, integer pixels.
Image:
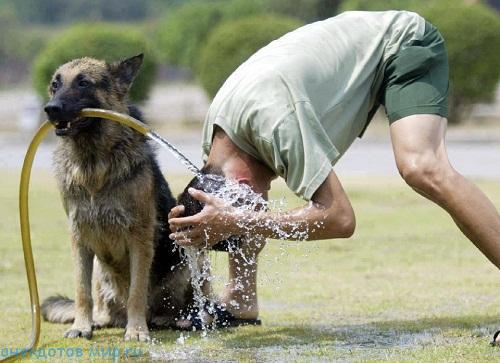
[
  {"x": 216, "y": 315},
  {"x": 241, "y": 303}
]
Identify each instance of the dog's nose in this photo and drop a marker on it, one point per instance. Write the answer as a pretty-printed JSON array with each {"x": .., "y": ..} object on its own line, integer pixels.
[{"x": 53, "y": 108}]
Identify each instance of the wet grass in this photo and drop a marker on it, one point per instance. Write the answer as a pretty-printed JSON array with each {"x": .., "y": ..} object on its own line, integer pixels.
[{"x": 407, "y": 287}]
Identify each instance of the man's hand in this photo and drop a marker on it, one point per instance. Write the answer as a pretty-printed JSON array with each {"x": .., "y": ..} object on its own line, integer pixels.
[
  {"x": 216, "y": 222},
  {"x": 328, "y": 215}
]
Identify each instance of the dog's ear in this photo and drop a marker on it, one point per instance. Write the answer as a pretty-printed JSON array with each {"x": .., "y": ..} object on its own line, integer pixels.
[{"x": 126, "y": 70}]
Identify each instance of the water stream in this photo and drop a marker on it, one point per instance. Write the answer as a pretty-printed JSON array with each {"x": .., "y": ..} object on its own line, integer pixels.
[
  {"x": 177, "y": 154},
  {"x": 244, "y": 199}
]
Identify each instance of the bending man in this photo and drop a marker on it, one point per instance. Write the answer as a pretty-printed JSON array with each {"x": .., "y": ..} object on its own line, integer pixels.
[{"x": 294, "y": 107}]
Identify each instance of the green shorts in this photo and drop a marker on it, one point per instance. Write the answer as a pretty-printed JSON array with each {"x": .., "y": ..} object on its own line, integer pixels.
[{"x": 416, "y": 78}]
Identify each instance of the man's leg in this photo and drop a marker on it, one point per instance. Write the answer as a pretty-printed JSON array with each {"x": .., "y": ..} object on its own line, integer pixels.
[
  {"x": 240, "y": 295},
  {"x": 419, "y": 148}
]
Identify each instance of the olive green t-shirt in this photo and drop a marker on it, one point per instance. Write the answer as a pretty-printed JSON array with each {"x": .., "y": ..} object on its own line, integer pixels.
[{"x": 299, "y": 102}]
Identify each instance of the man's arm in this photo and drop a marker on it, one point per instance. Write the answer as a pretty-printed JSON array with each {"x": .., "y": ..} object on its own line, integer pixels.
[{"x": 328, "y": 215}]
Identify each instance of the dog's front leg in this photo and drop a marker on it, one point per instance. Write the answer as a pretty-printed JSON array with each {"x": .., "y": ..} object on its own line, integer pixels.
[
  {"x": 82, "y": 326},
  {"x": 141, "y": 257}
]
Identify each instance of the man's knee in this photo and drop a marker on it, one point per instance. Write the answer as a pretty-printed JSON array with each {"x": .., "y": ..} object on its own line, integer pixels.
[{"x": 426, "y": 173}]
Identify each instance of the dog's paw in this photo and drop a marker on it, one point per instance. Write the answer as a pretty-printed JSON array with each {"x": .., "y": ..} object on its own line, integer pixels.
[
  {"x": 137, "y": 334},
  {"x": 78, "y": 333},
  {"x": 101, "y": 322}
]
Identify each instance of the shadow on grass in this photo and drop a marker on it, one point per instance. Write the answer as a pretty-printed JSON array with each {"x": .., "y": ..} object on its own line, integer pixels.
[
  {"x": 385, "y": 334},
  {"x": 376, "y": 335}
]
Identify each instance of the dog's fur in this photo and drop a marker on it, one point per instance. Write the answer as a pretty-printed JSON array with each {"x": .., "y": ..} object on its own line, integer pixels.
[{"x": 128, "y": 272}]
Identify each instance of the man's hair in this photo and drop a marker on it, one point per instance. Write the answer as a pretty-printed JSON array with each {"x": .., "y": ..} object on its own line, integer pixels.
[{"x": 210, "y": 180}]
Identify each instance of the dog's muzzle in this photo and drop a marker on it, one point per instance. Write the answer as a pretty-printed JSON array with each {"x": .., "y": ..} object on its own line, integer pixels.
[{"x": 57, "y": 116}]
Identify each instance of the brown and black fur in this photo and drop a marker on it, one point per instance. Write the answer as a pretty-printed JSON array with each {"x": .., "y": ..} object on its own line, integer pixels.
[{"x": 128, "y": 272}]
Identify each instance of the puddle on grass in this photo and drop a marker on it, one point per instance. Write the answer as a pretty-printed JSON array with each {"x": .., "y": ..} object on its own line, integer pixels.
[
  {"x": 369, "y": 337},
  {"x": 349, "y": 343},
  {"x": 162, "y": 354},
  {"x": 353, "y": 342}
]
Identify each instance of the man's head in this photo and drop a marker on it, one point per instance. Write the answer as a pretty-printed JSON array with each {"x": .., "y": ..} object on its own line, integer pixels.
[
  {"x": 88, "y": 83},
  {"x": 236, "y": 164},
  {"x": 210, "y": 181},
  {"x": 227, "y": 162}
]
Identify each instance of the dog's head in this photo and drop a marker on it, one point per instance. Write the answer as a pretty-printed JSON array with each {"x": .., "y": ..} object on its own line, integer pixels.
[{"x": 88, "y": 83}]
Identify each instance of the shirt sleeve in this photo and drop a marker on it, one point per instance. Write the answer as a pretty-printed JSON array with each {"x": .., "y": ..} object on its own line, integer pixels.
[{"x": 302, "y": 152}]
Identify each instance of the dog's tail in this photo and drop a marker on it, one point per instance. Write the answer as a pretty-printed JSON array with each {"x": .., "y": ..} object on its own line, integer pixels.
[{"x": 58, "y": 309}]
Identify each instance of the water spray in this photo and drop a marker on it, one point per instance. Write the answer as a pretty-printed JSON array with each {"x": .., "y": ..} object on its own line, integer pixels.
[
  {"x": 24, "y": 211},
  {"x": 232, "y": 192}
]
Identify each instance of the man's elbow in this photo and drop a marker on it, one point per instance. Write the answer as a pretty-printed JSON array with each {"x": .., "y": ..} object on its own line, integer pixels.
[
  {"x": 343, "y": 224},
  {"x": 347, "y": 225}
]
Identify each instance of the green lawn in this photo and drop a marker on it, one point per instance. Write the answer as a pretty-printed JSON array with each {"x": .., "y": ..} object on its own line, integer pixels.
[{"x": 407, "y": 287}]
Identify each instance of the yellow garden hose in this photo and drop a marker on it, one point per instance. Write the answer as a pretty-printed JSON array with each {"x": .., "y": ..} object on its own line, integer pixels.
[{"x": 24, "y": 212}]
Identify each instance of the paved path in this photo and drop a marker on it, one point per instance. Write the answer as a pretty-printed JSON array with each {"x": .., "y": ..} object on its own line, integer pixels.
[
  {"x": 474, "y": 151},
  {"x": 473, "y": 155}
]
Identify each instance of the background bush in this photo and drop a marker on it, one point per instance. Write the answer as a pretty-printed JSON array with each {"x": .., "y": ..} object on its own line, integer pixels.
[
  {"x": 182, "y": 32},
  {"x": 18, "y": 47},
  {"x": 64, "y": 11},
  {"x": 101, "y": 41},
  {"x": 232, "y": 43},
  {"x": 305, "y": 10},
  {"x": 379, "y": 5},
  {"x": 472, "y": 34},
  {"x": 11, "y": 34}
]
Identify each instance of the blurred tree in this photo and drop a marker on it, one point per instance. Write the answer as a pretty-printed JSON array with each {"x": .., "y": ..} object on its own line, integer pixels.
[
  {"x": 18, "y": 46},
  {"x": 327, "y": 8},
  {"x": 494, "y": 4},
  {"x": 102, "y": 41},
  {"x": 376, "y": 5},
  {"x": 472, "y": 34},
  {"x": 306, "y": 10},
  {"x": 60, "y": 11},
  {"x": 231, "y": 43},
  {"x": 183, "y": 31},
  {"x": 9, "y": 28},
  {"x": 179, "y": 38}
]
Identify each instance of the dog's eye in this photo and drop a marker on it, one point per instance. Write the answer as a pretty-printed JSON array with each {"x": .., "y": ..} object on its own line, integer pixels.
[
  {"x": 54, "y": 85},
  {"x": 83, "y": 83}
]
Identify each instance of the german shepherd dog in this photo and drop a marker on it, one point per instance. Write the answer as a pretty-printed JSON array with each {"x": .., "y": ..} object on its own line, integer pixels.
[{"x": 128, "y": 272}]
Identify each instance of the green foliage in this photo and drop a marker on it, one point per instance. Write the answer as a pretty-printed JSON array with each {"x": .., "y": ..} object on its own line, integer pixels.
[
  {"x": 306, "y": 10},
  {"x": 379, "y": 5},
  {"x": 232, "y": 43},
  {"x": 62, "y": 11},
  {"x": 102, "y": 41},
  {"x": 472, "y": 35},
  {"x": 183, "y": 31},
  {"x": 18, "y": 47},
  {"x": 10, "y": 34}
]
